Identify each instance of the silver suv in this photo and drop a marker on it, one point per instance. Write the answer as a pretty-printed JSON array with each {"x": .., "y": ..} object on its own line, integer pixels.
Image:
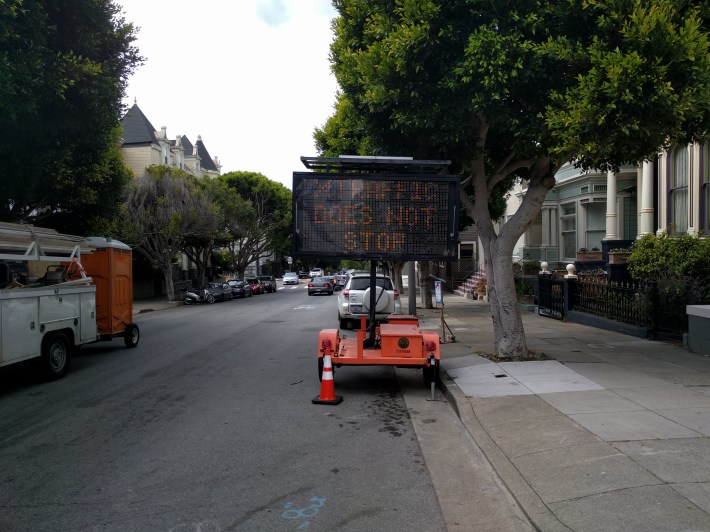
[{"x": 354, "y": 299}]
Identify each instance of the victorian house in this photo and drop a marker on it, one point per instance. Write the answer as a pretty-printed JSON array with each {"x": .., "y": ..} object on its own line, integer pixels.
[
  {"x": 608, "y": 210},
  {"x": 142, "y": 145}
]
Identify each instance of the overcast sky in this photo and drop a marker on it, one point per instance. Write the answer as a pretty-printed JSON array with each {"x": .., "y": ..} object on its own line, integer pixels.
[{"x": 252, "y": 77}]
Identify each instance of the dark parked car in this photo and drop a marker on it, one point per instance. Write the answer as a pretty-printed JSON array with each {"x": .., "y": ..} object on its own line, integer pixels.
[
  {"x": 240, "y": 288},
  {"x": 220, "y": 291},
  {"x": 333, "y": 280},
  {"x": 320, "y": 285},
  {"x": 257, "y": 287},
  {"x": 269, "y": 283}
]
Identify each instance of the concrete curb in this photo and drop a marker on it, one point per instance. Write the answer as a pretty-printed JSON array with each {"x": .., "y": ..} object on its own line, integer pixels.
[
  {"x": 539, "y": 515},
  {"x": 141, "y": 307}
]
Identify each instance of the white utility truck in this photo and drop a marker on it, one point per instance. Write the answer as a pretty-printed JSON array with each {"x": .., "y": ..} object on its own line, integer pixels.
[{"x": 48, "y": 303}]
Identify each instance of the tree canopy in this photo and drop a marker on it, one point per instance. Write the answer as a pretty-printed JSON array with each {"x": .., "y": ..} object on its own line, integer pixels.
[
  {"x": 264, "y": 229},
  {"x": 514, "y": 90},
  {"x": 163, "y": 210},
  {"x": 63, "y": 71}
]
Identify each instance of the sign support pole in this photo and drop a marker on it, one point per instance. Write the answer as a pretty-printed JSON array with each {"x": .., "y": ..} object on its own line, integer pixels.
[{"x": 412, "y": 288}]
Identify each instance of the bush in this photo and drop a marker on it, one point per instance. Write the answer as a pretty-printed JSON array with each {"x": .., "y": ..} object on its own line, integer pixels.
[
  {"x": 531, "y": 267},
  {"x": 656, "y": 257},
  {"x": 524, "y": 287}
]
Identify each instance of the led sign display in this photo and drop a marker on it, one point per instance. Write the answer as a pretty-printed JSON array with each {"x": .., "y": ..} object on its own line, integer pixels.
[{"x": 376, "y": 217}]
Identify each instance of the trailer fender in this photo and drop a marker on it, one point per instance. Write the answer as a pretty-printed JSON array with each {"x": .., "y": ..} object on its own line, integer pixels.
[
  {"x": 328, "y": 341},
  {"x": 429, "y": 339}
]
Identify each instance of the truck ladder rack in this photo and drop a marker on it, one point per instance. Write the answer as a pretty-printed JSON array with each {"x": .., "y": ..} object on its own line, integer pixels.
[{"x": 21, "y": 242}]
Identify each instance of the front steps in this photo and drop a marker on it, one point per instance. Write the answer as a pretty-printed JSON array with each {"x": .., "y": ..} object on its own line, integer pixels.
[{"x": 468, "y": 287}]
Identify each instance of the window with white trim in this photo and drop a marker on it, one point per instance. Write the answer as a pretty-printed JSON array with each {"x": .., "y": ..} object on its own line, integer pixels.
[
  {"x": 568, "y": 222},
  {"x": 678, "y": 190}
]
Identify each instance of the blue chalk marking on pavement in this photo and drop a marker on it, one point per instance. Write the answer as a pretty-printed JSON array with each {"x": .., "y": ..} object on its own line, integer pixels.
[{"x": 304, "y": 513}]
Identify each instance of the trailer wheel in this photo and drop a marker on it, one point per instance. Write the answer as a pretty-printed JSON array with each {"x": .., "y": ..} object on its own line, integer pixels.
[
  {"x": 131, "y": 335},
  {"x": 55, "y": 355}
]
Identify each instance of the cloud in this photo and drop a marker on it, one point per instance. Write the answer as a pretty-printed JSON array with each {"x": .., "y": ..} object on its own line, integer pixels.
[
  {"x": 272, "y": 12},
  {"x": 254, "y": 91}
]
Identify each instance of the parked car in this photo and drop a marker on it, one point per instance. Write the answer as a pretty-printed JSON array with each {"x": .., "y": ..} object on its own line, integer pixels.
[
  {"x": 354, "y": 299},
  {"x": 193, "y": 296},
  {"x": 290, "y": 278},
  {"x": 269, "y": 283},
  {"x": 315, "y": 272},
  {"x": 333, "y": 280},
  {"x": 341, "y": 280},
  {"x": 220, "y": 291},
  {"x": 320, "y": 285},
  {"x": 257, "y": 287},
  {"x": 240, "y": 288}
]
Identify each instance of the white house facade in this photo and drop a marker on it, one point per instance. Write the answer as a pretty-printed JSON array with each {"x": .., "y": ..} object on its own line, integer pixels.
[{"x": 606, "y": 210}]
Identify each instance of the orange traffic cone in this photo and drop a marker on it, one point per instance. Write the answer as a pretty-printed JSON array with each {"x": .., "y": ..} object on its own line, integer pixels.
[{"x": 327, "y": 386}]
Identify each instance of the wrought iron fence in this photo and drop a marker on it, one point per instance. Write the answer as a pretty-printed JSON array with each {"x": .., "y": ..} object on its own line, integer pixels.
[
  {"x": 660, "y": 306},
  {"x": 670, "y": 298},
  {"x": 550, "y": 298},
  {"x": 623, "y": 302}
]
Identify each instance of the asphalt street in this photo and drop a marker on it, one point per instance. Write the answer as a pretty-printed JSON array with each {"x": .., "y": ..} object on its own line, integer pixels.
[{"x": 208, "y": 425}]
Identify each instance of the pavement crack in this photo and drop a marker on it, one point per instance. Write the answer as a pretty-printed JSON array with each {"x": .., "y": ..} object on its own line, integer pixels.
[{"x": 564, "y": 502}]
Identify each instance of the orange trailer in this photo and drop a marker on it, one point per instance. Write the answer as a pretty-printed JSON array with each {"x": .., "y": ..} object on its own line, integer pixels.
[
  {"x": 110, "y": 266},
  {"x": 399, "y": 342},
  {"x": 377, "y": 209}
]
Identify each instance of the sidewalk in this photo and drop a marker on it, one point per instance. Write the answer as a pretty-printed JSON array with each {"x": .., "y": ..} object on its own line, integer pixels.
[
  {"x": 149, "y": 305},
  {"x": 613, "y": 433}
]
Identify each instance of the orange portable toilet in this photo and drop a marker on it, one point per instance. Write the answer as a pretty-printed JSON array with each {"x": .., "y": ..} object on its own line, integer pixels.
[{"x": 111, "y": 268}]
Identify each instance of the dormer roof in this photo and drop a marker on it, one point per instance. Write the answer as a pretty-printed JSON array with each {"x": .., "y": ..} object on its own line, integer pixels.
[
  {"x": 137, "y": 129},
  {"x": 206, "y": 161},
  {"x": 187, "y": 146}
]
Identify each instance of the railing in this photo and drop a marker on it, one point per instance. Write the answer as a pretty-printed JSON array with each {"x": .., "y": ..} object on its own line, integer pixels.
[
  {"x": 549, "y": 254},
  {"x": 670, "y": 298},
  {"x": 658, "y": 307},
  {"x": 623, "y": 302},
  {"x": 550, "y": 299}
]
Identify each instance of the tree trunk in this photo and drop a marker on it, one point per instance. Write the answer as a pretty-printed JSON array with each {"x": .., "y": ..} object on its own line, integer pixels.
[
  {"x": 508, "y": 332},
  {"x": 498, "y": 244},
  {"x": 396, "y": 274},
  {"x": 167, "y": 270},
  {"x": 425, "y": 284}
]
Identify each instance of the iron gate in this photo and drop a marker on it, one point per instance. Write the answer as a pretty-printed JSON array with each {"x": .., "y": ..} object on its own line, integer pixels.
[{"x": 551, "y": 297}]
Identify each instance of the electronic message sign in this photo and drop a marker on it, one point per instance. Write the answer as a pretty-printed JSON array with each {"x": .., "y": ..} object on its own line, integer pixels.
[{"x": 375, "y": 216}]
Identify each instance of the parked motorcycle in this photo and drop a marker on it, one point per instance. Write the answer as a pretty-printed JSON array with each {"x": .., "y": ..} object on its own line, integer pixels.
[{"x": 195, "y": 296}]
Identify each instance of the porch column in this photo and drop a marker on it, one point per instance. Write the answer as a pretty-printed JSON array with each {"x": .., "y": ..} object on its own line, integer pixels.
[
  {"x": 646, "y": 211},
  {"x": 611, "y": 223}
]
